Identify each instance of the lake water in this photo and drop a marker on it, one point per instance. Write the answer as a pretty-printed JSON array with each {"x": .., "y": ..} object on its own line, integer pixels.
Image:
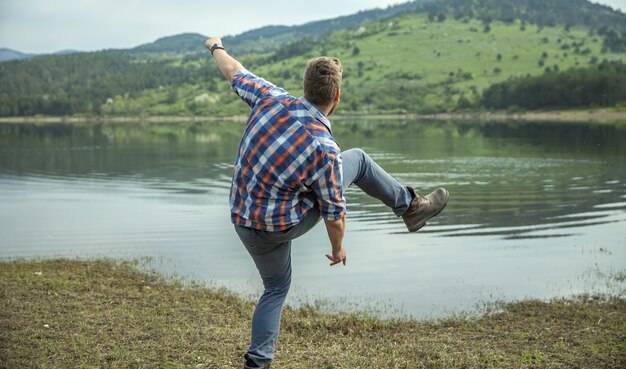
[{"x": 536, "y": 210}]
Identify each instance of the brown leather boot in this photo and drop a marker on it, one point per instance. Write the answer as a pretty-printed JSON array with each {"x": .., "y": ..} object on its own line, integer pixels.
[
  {"x": 256, "y": 367},
  {"x": 246, "y": 366},
  {"x": 423, "y": 208}
]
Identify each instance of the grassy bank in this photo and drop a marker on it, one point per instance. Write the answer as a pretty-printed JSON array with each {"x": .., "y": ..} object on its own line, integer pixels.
[{"x": 99, "y": 314}]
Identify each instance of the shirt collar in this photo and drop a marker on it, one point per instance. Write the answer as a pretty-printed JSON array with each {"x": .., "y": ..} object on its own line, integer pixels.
[{"x": 315, "y": 111}]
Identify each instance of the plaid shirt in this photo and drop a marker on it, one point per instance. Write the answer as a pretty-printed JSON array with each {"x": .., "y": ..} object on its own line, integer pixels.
[{"x": 288, "y": 160}]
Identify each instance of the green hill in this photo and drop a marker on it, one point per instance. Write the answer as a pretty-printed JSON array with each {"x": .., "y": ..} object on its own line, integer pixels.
[
  {"x": 407, "y": 64},
  {"x": 413, "y": 64},
  {"x": 436, "y": 56}
]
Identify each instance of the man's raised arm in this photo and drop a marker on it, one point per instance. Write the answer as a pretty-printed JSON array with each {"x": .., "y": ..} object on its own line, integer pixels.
[{"x": 226, "y": 63}]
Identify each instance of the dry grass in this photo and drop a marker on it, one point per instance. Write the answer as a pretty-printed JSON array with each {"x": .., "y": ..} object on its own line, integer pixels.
[{"x": 103, "y": 314}]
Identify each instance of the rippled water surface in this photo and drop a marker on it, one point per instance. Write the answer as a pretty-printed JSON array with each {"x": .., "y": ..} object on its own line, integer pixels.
[{"x": 536, "y": 209}]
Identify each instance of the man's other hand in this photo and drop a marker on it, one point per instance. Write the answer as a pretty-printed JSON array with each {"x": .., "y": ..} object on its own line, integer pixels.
[
  {"x": 338, "y": 256},
  {"x": 336, "y": 229}
]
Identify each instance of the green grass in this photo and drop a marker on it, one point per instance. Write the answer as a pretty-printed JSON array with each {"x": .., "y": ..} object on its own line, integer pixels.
[{"x": 102, "y": 314}]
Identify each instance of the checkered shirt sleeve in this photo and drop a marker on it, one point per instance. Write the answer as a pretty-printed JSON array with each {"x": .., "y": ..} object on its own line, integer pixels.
[
  {"x": 251, "y": 88},
  {"x": 328, "y": 188}
]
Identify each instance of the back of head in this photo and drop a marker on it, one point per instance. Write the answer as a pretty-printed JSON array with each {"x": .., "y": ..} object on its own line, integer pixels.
[{"x": 322, "y": 80}]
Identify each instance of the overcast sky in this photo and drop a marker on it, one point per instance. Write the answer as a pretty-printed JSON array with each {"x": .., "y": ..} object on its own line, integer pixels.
[{"x": 38, "y": 26}]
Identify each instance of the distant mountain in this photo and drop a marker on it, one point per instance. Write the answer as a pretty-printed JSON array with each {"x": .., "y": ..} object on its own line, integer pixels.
[
  {"x": 10, "y": 54},
  {"x": 184, "y": 43},
  {"x": 66, "y": 52}
]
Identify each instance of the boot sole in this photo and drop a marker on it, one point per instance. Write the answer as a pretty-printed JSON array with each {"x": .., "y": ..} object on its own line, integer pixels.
[{"x": 422, "y": 224}]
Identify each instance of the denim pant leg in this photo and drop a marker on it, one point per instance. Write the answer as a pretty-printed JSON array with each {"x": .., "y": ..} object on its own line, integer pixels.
[
  {"x": 275, "y": 270},
  {"x": 360, "y": 169},
  {"x": 271, "y": 253}
]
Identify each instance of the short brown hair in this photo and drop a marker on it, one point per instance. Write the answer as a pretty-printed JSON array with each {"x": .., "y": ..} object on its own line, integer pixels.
[{"x": 322, "y": 80}]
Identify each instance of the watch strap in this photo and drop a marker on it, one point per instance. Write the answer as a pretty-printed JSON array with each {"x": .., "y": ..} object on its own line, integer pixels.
[{"x": 215, "y": 47}]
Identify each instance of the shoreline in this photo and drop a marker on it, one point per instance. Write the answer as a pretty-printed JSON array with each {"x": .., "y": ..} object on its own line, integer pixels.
[
  {"x": 107, "y": 313},
  {"x": 597, "y": 116},
  {"x": 120, "y": 119}
]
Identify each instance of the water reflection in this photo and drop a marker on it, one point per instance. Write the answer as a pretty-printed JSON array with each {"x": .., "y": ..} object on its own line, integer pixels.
[{"x": 507, "y": 180}]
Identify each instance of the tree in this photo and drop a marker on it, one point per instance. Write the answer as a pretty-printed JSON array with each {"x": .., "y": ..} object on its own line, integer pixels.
[{"x": 172, "y": 95}]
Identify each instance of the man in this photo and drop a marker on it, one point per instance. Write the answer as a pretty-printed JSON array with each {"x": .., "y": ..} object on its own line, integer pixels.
[{"x": 289, "y": 173}]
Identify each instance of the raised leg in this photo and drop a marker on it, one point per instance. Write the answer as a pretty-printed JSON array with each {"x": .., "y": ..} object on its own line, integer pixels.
[{"x": 360, "y": 169}]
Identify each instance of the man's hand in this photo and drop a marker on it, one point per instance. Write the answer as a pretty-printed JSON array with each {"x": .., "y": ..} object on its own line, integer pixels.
[
  {"x": 336, "y": 229},
  {"x": 212, "y": 41},
  {"x": 338, "y": 256},
  {"x": 225, "y": 63}
]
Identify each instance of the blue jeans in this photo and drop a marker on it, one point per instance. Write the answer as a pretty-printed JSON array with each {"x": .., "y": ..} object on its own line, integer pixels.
[{"x": 271, "y": 251}]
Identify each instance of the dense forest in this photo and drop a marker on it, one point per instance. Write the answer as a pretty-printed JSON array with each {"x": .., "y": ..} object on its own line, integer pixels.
[
  {"x": 601, "y": 85},
  {"x": 456, "y": 54},
  {"x": 81, "y": 83}
]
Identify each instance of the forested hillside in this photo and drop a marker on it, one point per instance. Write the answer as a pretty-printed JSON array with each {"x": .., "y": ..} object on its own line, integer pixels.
[
  {"x": 424, "y": 57},
  {"x": 601, "y": 85},
  {"x": 569, "y": 13}
]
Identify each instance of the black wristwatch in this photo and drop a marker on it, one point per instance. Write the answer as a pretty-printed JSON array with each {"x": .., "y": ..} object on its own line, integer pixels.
[{"x": 215, "y": 47}]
